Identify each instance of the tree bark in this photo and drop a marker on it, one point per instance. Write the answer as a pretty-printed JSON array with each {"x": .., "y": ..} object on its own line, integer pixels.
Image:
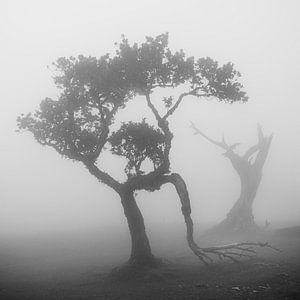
[
  {"x": 186, "y": 210},
  {"x": 141, "y": 254},
  {"x": 240, "y": 217}
]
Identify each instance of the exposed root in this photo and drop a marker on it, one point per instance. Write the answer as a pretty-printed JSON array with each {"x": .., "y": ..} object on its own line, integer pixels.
[{"x": 233, "y": 252}]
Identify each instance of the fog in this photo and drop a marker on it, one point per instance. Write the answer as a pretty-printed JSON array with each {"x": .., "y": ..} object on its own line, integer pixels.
[
  {"x": 43, "y": 193},
  {"x": 60, "y": 228}
]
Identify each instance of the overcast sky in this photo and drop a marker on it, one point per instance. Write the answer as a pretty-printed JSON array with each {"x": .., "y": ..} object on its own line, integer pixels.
[{"x": 41, "y": 191}]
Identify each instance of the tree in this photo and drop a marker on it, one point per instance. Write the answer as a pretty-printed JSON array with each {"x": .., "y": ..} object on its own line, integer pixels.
[
  {"x": 78, "y": 124},
  {"x": 249, "y": 168}
]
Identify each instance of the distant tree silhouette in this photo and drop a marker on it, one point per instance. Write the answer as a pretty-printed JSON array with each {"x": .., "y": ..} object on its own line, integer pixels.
[
  {"x": 78, "y": 124},
  {"x": 249, "y": 168}
]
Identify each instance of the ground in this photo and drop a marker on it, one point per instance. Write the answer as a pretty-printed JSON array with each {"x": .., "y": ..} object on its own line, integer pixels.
[{"x": 270, "y": 275}]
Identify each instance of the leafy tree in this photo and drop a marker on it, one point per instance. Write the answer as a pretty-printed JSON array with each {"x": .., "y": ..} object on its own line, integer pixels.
[{"x": 78, "y": 124}]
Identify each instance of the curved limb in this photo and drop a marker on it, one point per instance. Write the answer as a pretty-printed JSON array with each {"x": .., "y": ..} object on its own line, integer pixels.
[{"x": 231, "y": 251}]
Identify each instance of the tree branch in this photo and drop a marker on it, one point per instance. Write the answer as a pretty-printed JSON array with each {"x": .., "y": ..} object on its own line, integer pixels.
[
  {"x": 102, "y": 176},
  {"x": 174, "y": 107},
  {"x": 260, "y": 133},
  {"x": 93, "y": 155},
  {"x": 262, "y": 147},
  {"x": 191, "y": 93},
  {"x": 88, "y": 160},
  {"x": 163, "y": 125},
  {"x": 153, "y": 109},
  {"x": 251, "y": 151},
  {"x": 263, "y": 153},
  {"x": 221, "y": 144}
]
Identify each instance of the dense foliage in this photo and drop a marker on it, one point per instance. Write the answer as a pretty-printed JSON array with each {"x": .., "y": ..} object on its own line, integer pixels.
[
  {"x": 77, "y": 124},
  {"x": 137, "y": 142}
]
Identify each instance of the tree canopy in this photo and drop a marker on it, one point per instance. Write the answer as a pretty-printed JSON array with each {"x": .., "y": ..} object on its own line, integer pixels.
[{"x": 77, "y": 124}]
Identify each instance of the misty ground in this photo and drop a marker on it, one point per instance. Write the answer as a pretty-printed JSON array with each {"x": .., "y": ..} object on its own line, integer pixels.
[{"x": 79, "y": 264}]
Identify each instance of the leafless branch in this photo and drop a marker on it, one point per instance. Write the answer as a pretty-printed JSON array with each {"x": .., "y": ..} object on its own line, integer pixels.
[
  {"x": 221, "y": 144},
  {"x": 263, "y": 152},
  {"x": 251, "y": 151},
  {"x": 259, "y": 144},
  {"x": 232, "y": 251},
  {"x": 260, "y": 133}
]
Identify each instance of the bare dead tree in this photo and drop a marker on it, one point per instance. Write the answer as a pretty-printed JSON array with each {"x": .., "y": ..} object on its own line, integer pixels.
[{"x": 249, "y": 168}]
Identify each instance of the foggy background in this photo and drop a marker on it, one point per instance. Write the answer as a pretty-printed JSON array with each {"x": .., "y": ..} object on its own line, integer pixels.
[{"x": 43, "y": 193}]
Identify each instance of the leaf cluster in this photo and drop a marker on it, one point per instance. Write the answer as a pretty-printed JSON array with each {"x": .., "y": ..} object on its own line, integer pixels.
[
  {"x": 137, "y": 142},
  {"x": 152, "y": 64},
  {"x": 78, "y": 122}
]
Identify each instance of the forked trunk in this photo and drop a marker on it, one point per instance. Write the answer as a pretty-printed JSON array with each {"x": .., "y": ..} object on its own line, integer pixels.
[
  {"x": 249, "y": 168},
  {"x": 141, "y": 254}
]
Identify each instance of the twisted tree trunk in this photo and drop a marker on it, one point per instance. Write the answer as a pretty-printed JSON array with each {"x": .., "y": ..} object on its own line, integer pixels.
[
  {"x": 141, "y": 254},
  {"x": 240, "y": 218}
]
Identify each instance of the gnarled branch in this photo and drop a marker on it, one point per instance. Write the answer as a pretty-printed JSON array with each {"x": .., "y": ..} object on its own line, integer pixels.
[
  {"x": 231, "y": 251},
  {"x": 153, "y": 109},
  {"x": 193, "y": 92},
  {"x": 221, "y": 144},
  {"x": 102, "y": 176}
]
